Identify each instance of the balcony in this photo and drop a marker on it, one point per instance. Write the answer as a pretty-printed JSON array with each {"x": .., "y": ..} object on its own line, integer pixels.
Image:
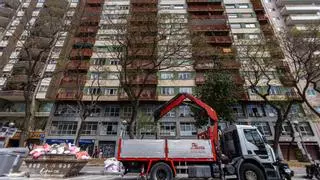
[
  {"x": 18, "y": 78},
  {"x": 142, "y": 80},
  {"x": 144, "y": 9},
  {"x": 78, "y": 65},
  {"x": 81, "y": 42},
  {"x": 73, "y": 81},
  {"x": 94, "y": 2},
  {"x": 282, "y": 65},
  {"x": 287, "y": 80},
  {"x": 69, "y": 96},
  {"x": 146, "y": 95},
  {"x": 206, "y": 28},
  {"x": 144, "y": 1},
  {"x": 262, "y": 18},
  {"x": 293, "y": 96},
  {"x": 257, "y": 6},
  {"x": 202, "y": 1},
  {"x": 197, "y": 8},
  {"x": 92, "y": 11},
  {"x": 81, "y": 53},
  {"x": 200, "y": 79},
  {"x": 87, "y": 29},
  {"x": 230, "y": 64},
  {"x": 90, "y": 20},
  {"x": 12, "y": 95},
  {"x": 208, "y": 17},
  {"x": 141, "y": 64},
  {"x": 219, "y": 39}
]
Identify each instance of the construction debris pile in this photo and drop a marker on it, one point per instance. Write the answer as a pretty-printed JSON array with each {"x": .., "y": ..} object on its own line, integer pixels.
[{"x": 63, "y": 148}]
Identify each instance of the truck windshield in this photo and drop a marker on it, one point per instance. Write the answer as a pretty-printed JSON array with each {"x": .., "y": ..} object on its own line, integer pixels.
[{"x": 254, "y": 137}]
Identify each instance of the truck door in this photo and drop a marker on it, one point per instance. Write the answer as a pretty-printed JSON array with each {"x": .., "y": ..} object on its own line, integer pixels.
[
  {"x": 231, "y": 144},
  {"x": 256, "y": 144}
]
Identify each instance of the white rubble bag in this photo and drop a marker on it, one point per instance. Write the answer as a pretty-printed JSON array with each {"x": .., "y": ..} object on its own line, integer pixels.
[{"x": 113, "y": 166}]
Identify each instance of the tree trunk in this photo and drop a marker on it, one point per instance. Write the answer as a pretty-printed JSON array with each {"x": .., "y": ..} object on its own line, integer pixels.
[
  {"x": 132, "y": 123},
  {"x": 26, "y": 124},
  {"x": 277, "y": 134},
  {"x": 78, "y": 132}
]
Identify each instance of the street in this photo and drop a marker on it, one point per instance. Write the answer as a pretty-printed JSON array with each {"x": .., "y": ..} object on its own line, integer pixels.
[{"x": 95, "y": 173}]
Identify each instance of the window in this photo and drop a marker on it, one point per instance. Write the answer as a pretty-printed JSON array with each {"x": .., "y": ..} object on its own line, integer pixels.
[
  {"x": 167, "y": 129},
  {"x": 100, "y": 61},
  {"x": 184, "y": 111},
  {"x": 187, "y": 129},
  {"x": 232, "y": 15},
  {"x": 317, "y": 108},
  {"x": 275, "y": 90},
  {"x": 184, "y": 76},
  {"x": 171, "y": 113},
  {"x": 127, "y": 111},
  {"x": 238, "y": 111},
  {"x": 167, "y": 91},
  {"x": 113, "y": 76},
  {"x": 185, "y": 90},
  {"x": 305, "y": 129},
  {"x": 110, "y": 91},
  {"x": 43, "y": 88},
  {"x": 243, "y": 6},
  {"x": 286, "y": 129},
  {"x": 249, "y": 25},
  {"x": 89, "y": 128},
  {"x": 112, "y": 111},
  {"x": 166, "y": 75},
  {"x": 253, "y": 36},
  {"x": 95, "y": 111},
  {"x": 235, "y": 26},
  {"x": 178, "y": 6},
  {"x": 148, "y": 130},
  {"x": 147, "y": 111},
  {"x": 109, "y": 128},
  {"x": 231, "y": 6},
  {"x": 114, "y": 61},
  {"x": 63, "y": 128},
  {"x": 246, "y": 15},
  {"x": 311, "y": 92},
  {"x": 95, "y": 76},
  {"x": 263, "y": 127},
  {"x": 255, "y": 110},
  {"x": 94, "y": 91}
]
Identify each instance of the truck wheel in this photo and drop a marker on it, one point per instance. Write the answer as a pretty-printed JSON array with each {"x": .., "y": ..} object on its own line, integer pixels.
[
  {"x": 249, "y": 171},
  {"x": 161, "y": 171}
]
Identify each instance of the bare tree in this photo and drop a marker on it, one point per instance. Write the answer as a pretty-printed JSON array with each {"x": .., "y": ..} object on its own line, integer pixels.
[
  {"x": 262, "y": 66},
  {"x": 36, "y": 42},
  {"x": 143, "y": 46},
  {"x": 302, "y": 49}
]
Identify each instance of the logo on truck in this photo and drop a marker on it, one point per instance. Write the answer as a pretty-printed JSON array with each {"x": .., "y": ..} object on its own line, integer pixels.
[{"x": 197, "y": 148}]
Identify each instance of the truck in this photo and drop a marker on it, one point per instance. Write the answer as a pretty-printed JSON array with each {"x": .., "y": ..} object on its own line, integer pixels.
[{"x": 239, "y": 150}]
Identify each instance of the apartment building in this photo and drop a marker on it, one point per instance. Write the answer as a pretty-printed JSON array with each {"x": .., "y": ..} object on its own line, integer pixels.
[
  {"x": 29, "y": 31},
  {"x": 82, "y": 63},
  {"x": 249, "y": 24}
]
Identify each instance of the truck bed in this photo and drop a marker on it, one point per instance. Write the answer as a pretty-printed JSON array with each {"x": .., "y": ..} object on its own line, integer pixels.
[{"x": 160, "y": 149}]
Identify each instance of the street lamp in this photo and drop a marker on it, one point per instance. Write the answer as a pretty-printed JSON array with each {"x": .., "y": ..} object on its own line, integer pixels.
[{"x": 123, "y": 128}]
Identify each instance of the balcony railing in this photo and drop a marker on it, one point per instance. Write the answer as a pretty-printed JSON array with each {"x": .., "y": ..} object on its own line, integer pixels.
[
  {"x": 219, "y": 39},
  {"x": 287, "y": 80},
  {"x": 144, "y": 9},
  {"x": 68, "y": 96},
  {"x": 208, "y": 17},
  {"x": 87, "y": 29},
  {"x": 18, "y": 78},
  {"x": 12, "y": 94},
  {"x": 78, "y": 65},
  {"x": 144, "y": 1},
  {"x": 147, "y": 95},
  {"x": 142, "y": 79},
  {"x": 81, "y": 53},
  {"x": 216, "y": 27},
  {"x": 197, "y": 8},
  {"x": 84, "y": 40},
  {"x": 293, "y": 96},
  {"x": 141, "y": 64},
  {"x": 230, "y": 64},
  {"x": 95, "y": 2}
]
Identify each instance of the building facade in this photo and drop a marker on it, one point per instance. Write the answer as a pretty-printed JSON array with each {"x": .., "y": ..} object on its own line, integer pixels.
[{"x": 81, "y": 67}]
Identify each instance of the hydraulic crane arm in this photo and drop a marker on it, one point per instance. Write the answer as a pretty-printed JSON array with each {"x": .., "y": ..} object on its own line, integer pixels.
[{"x": 178, "y": 100}]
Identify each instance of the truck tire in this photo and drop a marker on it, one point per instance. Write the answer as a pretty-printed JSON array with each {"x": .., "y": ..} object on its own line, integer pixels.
[
  {"x": 250, "y": 171},
  {"x": 161, "y": 171}
]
